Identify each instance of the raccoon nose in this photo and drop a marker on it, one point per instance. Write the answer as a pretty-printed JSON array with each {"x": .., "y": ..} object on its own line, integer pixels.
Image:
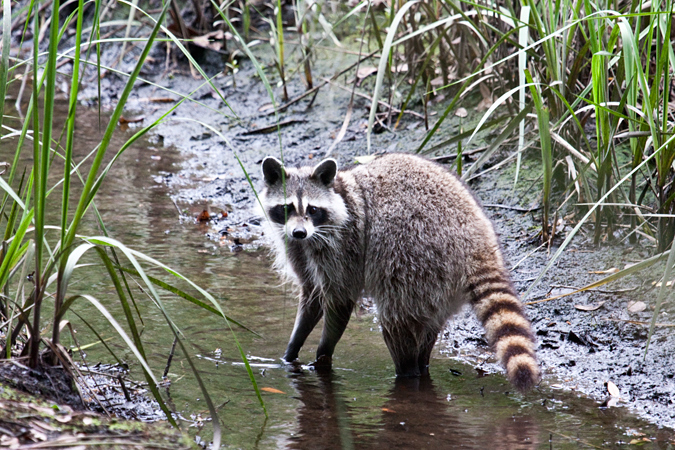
[{"x": 300, "y": 233}]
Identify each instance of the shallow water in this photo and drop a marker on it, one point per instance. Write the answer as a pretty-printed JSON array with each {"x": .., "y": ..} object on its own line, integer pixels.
[{"x": 360, "y": 405}]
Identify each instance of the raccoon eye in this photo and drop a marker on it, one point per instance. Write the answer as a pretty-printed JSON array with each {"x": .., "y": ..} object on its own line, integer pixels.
[
  {"x": 280, "y": 213},
  {"x": 311, "y": 210}
]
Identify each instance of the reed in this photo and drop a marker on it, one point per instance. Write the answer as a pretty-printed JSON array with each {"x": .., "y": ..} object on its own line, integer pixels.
[
  {"x": 599, "y": 76},
  {"x": 27, "y": 247}
]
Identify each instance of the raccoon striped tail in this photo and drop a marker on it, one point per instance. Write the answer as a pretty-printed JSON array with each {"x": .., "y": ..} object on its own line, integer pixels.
[{"x": 508, "y": 330}]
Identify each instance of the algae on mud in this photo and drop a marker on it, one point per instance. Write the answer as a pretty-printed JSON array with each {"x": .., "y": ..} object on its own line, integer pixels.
[{"x": 28, "y": 421}]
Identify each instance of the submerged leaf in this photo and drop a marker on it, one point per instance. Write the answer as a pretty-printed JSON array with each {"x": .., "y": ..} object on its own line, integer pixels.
[{"x": 272, "y": 390}]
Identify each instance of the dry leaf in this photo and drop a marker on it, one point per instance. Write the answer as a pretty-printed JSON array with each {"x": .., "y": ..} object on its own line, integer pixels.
[
  {"x": 364, "y": 159},
  {"x": 63, "y": 418},
  {"x": 400, "y": 68},
  {"x": 366, "y": 71},
  {"x": 206, "y": 41},
  {"x": 272, "y": 390},
  {"x": 605, "y": 272},
  {"x": 613, "y": 390},
  {"x": 461, "y": 112},
  {"x": 668, "y": 284},
  {"x": 436, "y": 82},
  {"x": 388, "y": 410},
  {"x": 593, "y": 307},
  {"x": 204, "y": 216},
  {"x": 132, "y": 119},
  {"x": 636, "y": 307}
]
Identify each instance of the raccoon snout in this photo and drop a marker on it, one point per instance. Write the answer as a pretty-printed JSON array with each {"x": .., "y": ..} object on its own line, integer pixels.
[{"x": 300, "y": 232}]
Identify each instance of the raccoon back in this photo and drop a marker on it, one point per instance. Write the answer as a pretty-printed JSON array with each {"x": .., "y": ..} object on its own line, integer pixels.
[{"x": 431, "y": 249}]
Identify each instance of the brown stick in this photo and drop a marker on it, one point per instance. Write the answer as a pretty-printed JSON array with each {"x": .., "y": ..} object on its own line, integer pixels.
[{"x": 168, "y": 361}]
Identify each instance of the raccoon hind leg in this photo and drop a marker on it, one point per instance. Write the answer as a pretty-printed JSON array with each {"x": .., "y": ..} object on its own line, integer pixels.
[
  {"x": 410, "y": 350},
  {"x": 426, "y": 346}
]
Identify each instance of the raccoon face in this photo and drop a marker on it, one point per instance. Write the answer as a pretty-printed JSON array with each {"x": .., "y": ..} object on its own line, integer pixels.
[{"x": 302, "y": 203}]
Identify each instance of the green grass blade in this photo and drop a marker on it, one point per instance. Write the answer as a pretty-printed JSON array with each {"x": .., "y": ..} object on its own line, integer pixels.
[
  {"x": 613, "y": 277},
  {"x": 133, "y": 254},
  {"x": 127, "y": 340},
  {"x": 4, "y": 59},
  {"x": 98, "y": 336},
  {"x": 494, "y": 145},
  {"x": 590, "y": 211},
  {"x": 184, "y": 50},
  {"x": 523, "y": 37},
  {"x": 546, "y": 151},
  {"x": 26, "y": 267},
  {"x": 174, "y": 329},
  {"x": 70, "y": 123}
]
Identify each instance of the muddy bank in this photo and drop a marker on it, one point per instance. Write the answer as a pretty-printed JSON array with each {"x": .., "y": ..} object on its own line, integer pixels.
[
  {"x": 30, "y": 421},
  {"x": 579, "y": 350}
]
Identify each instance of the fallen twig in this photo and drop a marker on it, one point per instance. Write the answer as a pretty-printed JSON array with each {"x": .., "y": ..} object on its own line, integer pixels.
[
  {"x": 515, "y": 208},
  {"x": 168, "y": 361},
  {"x": 639, "y": 322},
  {"x": 272, "y": 128}
]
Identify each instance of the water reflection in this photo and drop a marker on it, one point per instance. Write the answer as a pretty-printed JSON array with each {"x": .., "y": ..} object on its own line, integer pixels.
[{"x": 413, "y": 415}]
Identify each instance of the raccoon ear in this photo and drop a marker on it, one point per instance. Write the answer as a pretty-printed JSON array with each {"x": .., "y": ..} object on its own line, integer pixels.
[
  {"x": 325, "y": 172},
  {"x": 272, "y": 170}
]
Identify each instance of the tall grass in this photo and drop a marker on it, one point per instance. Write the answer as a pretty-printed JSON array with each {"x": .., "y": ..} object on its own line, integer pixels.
[
  {"x": 53, "y": 259},
  {"x": 587, "y": 60},
  {"x": 599, "y": 75}
]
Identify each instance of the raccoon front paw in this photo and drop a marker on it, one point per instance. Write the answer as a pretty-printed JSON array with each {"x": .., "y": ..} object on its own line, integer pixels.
[
  {"x": 322, "y": 364},
  {"x": 292, "y": 366}
]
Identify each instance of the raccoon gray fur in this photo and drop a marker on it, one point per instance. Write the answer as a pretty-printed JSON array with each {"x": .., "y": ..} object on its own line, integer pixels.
[{"x": 406, "y": 232}]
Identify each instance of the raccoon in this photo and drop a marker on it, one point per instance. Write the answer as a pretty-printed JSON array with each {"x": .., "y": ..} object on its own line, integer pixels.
[{"x": 406, "y": 232}]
